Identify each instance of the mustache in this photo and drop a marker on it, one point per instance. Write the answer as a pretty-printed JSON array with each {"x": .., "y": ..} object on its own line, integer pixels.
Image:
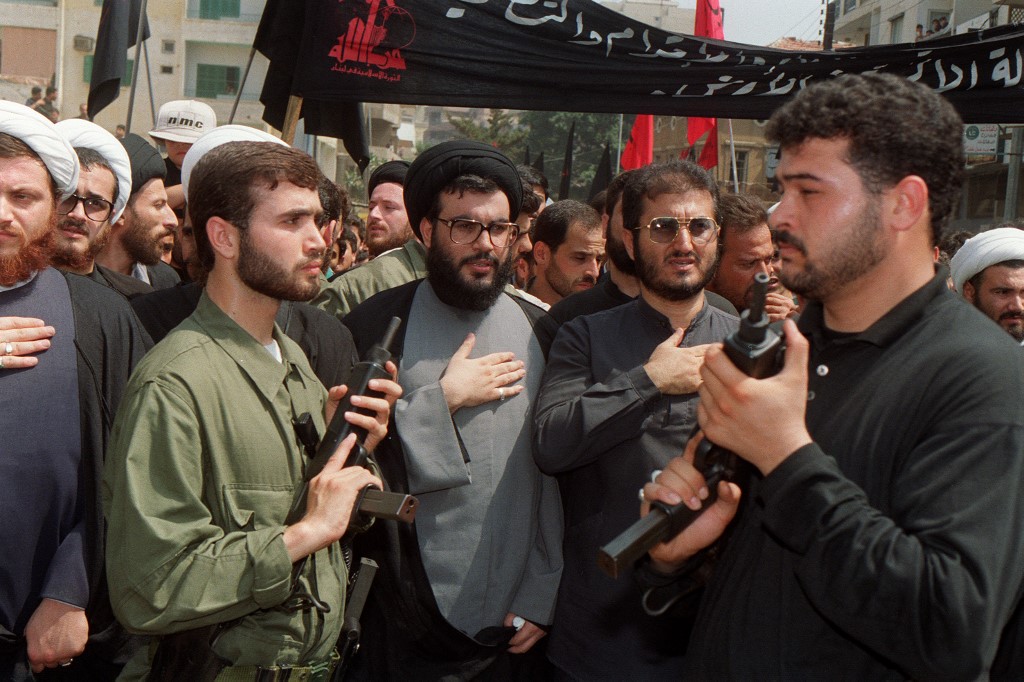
[
  {"x": 73, "y": 225},
  {"x": 315, "y": 258},
  {"x": 1012, "y": 316},
  {"x": 784, "y": 237},
  {"x": 480, "y": 255}
]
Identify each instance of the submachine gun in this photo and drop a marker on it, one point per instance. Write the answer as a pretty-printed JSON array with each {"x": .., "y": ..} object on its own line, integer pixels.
[
  {"x": 372, "y": 502},
  {"x": 758, "y": 351}
]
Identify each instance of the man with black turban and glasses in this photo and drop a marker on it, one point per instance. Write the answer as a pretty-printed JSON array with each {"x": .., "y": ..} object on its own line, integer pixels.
[{"x": 480, "y": 567}]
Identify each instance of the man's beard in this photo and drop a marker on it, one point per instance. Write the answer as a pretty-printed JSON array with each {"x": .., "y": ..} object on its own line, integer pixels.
[
  {"x": 138, "y": 243},
  {"x": 31, "y": 258},
  {"x": 446, "y": 279},
  {"x": 648, "y": 273},
  {"x": 1015, "y": 330},
  {"x": 262, "y": 274},
  {"x": 392, "y": 240},
  {"x": 66, "y": 254},
  {"x": 852, "y": 255},
  {"x": 618, "y": 255}
]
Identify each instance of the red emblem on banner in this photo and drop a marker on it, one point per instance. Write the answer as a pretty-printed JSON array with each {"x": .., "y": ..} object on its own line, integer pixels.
[{"x": 372, "y": 43}]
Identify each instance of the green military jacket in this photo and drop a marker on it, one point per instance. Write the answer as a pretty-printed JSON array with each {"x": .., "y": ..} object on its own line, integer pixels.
[
  {"x": 202, "y": 470},
  {"x": 394, "y": 268}
]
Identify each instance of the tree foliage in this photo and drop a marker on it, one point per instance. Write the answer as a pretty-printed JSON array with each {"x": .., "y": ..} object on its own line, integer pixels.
[
  {"x": 502, "y": 131},
  {"x": 548, "y": 134},
  {"x": 545, "y": 131}
]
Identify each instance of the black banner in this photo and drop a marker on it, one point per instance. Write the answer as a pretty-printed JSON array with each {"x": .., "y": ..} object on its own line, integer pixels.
[{"x": 576, "y": 55}]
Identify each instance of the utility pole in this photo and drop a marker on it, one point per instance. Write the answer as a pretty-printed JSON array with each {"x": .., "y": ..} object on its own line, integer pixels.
[{"x": 1013, "y": 174}]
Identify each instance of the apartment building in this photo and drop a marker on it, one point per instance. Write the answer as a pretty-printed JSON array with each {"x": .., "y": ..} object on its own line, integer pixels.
[
  {"x": 198, "y": 49},
  {"x": 992, "y": 193}
]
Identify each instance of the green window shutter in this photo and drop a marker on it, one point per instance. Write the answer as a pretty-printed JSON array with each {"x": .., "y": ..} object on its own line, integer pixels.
[
  {"x": 209, "y": 80},
  {"x": 218, "y": 9},
  {"x": 87, "y": 68}
]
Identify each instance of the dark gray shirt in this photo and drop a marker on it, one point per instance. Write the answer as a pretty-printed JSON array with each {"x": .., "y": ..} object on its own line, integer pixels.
[{"x": 603, "y": 425}]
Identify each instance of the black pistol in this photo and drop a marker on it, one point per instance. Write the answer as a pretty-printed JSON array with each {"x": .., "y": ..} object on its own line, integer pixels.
[
  {"x": 758, "y": 351},
  {"x": 372, "y": 502}
]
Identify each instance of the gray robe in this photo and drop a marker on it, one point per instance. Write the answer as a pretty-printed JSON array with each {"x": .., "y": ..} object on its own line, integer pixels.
[{"x": 489, "y": 524}]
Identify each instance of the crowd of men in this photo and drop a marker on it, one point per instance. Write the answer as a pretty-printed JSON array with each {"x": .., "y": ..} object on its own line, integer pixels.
[{"x": 554, "y": 361}]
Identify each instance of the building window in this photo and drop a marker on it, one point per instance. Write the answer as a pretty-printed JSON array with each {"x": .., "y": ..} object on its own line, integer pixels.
[
  {"x": 849, "y": 6},
  {"x": 166, "y": 69},
  {"x": 213, "y": 80},
  {"x": 167, "y": 46},
  {"x": 126, "y": 80},
  {"x": 896, "y": 29},
  {"x": 742, "y": 163},
  {"x": 219, "y": 9}
]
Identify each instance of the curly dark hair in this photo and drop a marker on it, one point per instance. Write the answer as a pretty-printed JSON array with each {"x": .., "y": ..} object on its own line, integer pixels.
[{"x": 896, "y": 128}]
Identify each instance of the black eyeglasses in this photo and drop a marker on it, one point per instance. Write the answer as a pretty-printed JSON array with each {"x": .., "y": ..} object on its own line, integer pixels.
[
  {"x": 664, "y": 230},
  {"x": 466, "y": 231},
  {"x": 95, "y": 208}
]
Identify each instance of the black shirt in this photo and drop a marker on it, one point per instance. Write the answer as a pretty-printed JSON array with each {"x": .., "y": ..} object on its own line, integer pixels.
[
  {"x": 603, "y": 426},
  {"x": 892, "y": 546}
]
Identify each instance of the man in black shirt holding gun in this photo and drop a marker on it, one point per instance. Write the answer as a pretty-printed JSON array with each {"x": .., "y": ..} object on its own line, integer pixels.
[{"x": 884, "y": 535}]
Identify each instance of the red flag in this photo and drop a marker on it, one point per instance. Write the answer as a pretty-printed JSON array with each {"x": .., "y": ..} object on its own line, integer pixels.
[
  {"x": 639, "y": 150},
  {"x": 708, "y": 24},
  {"x": 709, "y": 155}
]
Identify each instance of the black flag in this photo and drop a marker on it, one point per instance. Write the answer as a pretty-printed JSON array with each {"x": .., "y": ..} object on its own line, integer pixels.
[
  {"x": 538, "y": 163},
  {"x": 603, "y": 174},
  {"x": 563, "y": 187},
  {"x": 527, "y": 159},
  {"x": 278, "y": 38},
  {"x": 119, "y": 24},
  {"x": 488, "y": 54}
]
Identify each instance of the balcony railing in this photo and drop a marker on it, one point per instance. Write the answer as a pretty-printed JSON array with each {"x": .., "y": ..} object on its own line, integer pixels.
[
  {"x": 38, "y": 3},
  {"x": 224, "y": 97},
  {"x": 220, "y": 10}
]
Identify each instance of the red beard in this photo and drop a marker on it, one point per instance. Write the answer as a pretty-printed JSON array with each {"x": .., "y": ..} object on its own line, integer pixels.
[{"x": 32, "y": 257}]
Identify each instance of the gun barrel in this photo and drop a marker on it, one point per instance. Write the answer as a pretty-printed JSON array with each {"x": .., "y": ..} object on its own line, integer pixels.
[{"x": 756, "y": 310}]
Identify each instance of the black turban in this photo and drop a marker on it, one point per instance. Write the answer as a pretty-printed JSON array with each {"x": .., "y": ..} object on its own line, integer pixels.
[
  {"x": 145, "y": 159},
  {"x": 435, "y": 168},
  {"x": 390, "y": 171}
]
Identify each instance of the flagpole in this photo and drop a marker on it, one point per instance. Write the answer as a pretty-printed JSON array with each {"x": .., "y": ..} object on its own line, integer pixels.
[
  {"x": 291, "y": 119},
  {"x": 149, "y": 82},
  {"x": 618, "y": 157},
  {"x": 732, "y": 153},
  {"x": 135, "y": 66},
  {"x": 241, "y": 86}
]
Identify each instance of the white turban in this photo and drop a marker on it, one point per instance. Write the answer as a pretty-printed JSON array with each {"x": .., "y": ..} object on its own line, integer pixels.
[
  {"x": 215, "y": 138},
  {"x": 82, "y": 133},
  {"x": 39, "y": 133},
  {"x": 983, "y": 250}
]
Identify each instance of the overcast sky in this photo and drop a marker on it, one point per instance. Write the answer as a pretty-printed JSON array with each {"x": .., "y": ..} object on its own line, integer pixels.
[{"x": 759, "y": 22}]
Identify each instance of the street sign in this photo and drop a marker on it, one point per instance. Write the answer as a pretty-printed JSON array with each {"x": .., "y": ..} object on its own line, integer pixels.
[{"x": 981, "y": 139}]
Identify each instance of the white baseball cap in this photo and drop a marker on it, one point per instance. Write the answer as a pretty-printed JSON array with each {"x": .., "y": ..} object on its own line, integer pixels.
[{"x": 183, "y": 120}]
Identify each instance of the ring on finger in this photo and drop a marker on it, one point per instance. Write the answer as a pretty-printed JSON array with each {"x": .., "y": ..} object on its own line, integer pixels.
[
  {"x": 1, "y": 363},
  {"x": 654, "y": 475},
  {"x": 641, "y": 495},
  {"x": 501, "y": 393},
  {"x": 66, "y": 663},
  {"x": 8, "y": 348}
]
